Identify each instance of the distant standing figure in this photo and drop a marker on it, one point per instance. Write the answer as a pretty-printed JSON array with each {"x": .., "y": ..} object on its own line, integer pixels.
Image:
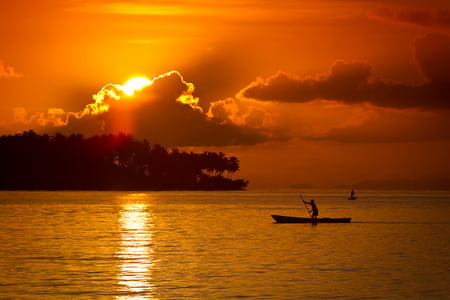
[{"x": 314, "y": 210}]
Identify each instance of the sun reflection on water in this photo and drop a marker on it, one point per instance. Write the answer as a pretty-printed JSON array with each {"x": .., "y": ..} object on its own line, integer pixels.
[{"x": 135, "y": 252}]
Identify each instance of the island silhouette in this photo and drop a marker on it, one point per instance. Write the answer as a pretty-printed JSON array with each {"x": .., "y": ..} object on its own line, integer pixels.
[{"x": 29, "y": 161}]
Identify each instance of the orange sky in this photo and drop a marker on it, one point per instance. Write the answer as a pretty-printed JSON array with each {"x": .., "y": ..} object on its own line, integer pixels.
[{"x": 323, "y": 93}]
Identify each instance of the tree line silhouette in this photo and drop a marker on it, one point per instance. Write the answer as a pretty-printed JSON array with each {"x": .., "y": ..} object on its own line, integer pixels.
[{"x": 30, "y": 161}]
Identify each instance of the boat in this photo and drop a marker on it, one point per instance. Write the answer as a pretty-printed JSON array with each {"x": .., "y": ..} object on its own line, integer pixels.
[
  {"x": 352, "y": 195},
  {"x": 286, "y": 219}
]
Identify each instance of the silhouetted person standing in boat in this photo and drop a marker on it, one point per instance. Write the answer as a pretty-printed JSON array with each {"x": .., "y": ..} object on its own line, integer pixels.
[{"x": 314, "y": 210}]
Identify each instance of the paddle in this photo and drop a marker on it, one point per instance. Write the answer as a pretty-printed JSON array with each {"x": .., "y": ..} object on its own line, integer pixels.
[{"x": 309, "y": 212}]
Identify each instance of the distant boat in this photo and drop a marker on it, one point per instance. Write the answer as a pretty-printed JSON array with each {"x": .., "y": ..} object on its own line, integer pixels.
[
  {"x": 286, "y": 219},
  {"x": 352, "y": 195}
]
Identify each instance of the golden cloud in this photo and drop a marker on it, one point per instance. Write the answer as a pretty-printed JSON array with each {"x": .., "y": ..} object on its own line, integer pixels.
[{"x": 8, "y": 72}]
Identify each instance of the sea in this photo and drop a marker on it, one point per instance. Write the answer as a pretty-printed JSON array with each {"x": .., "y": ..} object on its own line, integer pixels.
[{"x": 223, "y": 245}]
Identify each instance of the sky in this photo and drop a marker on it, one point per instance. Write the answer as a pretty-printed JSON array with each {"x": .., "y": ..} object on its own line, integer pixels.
[{"x": 304, "y": 93}]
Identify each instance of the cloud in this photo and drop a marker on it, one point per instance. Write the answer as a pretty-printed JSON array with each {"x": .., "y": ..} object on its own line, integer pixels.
[
  {"x": 438, "y": 18},
  {"x": 353, "y": 82},
  {"x": 240, "y": 112},
  {"x": 347, "y": 103},
  {"x": 165, "y": 111},
  {"x": 432, "y": 54},
  {"x": 169, "y": 116},
  {"x": 343, "y": 82},
  {"x": 8, "y": 72}
]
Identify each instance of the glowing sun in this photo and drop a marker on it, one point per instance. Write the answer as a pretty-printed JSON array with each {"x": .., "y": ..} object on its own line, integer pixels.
[{"x": 135, "y": 84}]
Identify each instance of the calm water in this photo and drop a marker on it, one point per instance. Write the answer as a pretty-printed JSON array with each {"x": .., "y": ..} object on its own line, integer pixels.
[{"x": 219, "y": 245}]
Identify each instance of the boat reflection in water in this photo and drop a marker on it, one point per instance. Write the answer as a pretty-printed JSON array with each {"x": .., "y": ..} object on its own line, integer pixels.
[{"x": 135, "y": 252}]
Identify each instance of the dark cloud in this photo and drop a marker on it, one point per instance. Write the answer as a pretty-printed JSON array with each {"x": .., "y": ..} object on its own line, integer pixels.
[
  {"x": 167, "y": 110},
  {"x": 432, "y": 54},
  {"x": 438, "y": 18},
  {"x": 353, "y": 82},
  {"x": 164, "y": 112}
]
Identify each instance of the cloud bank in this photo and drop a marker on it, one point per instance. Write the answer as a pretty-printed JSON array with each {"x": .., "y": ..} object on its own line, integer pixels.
[
  {"x": 165, "y": 111},
  {"x": 353, "y": 82},
  {"x": 438, "y": 18},
  {"x": 348, "y": 104}
]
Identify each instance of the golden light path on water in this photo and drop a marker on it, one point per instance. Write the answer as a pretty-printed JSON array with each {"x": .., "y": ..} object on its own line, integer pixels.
[{"x": 135, "y": 252}]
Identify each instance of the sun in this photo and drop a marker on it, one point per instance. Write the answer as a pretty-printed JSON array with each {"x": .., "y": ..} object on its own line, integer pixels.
[{"x": 135, "y": 84}]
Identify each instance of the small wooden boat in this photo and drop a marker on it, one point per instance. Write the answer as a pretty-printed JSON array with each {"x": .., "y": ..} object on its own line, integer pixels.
[{"x": 285, "y": 219}]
